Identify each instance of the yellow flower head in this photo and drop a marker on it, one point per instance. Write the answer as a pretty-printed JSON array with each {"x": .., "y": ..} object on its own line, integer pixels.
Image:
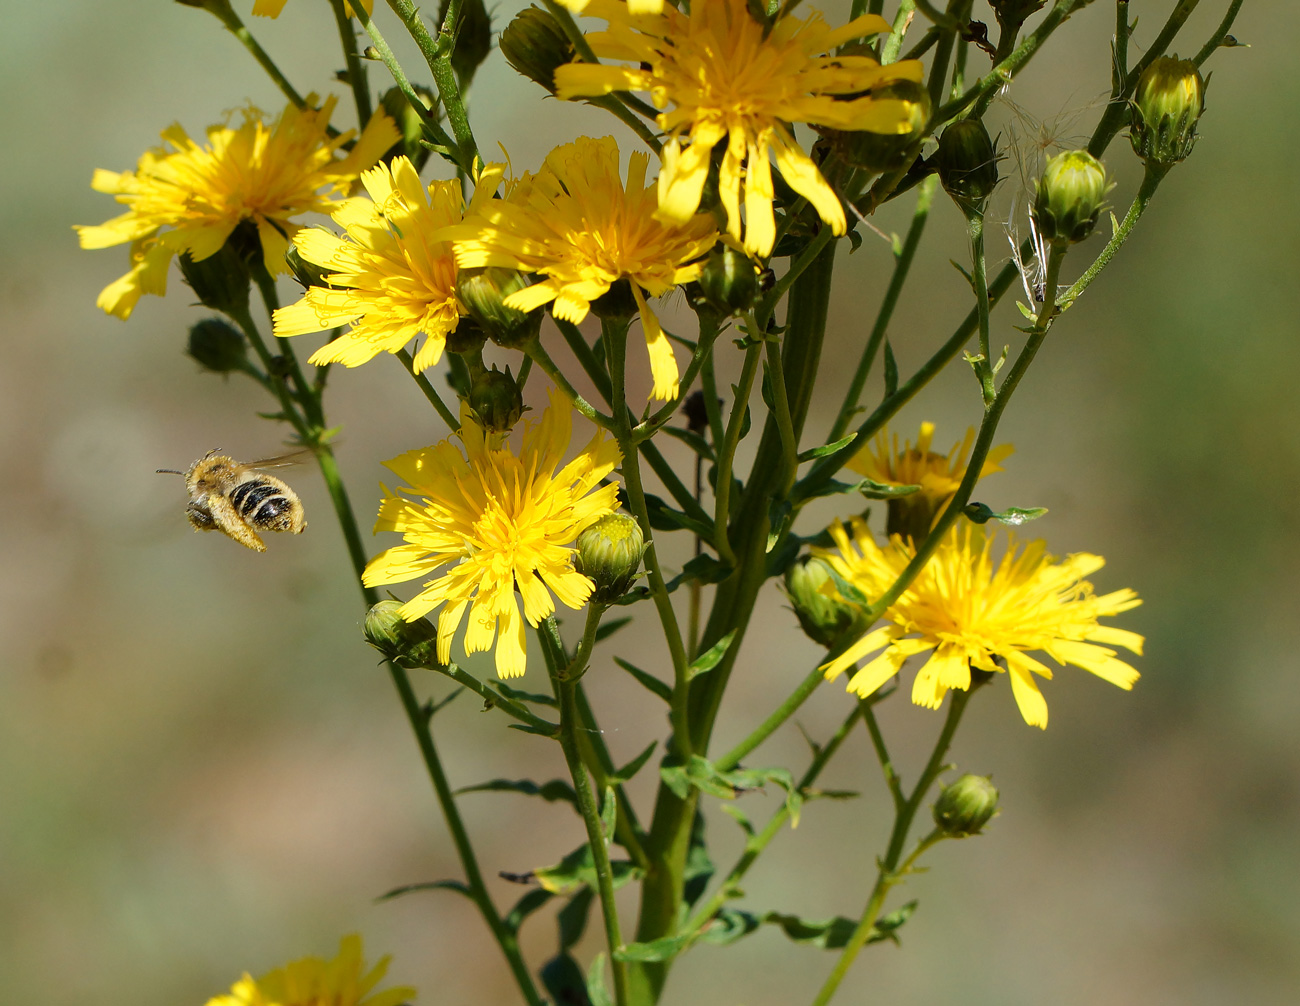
[
  {"x": 967, "y": 611},
  {"x": 576, "y": 223},
  {"x": 720, "y": 75},
  {"x": 938, "y": 475},
  {"x": 192, "y": 197},
  {"x": 506, "y": 522},
  {"x": 391, "y": 277},
  {"x": 272, "y": 8},
  {"x": 343, "y": 981}
]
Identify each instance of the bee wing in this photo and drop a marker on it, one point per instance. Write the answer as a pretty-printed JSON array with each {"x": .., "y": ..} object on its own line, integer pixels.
[{"x": 281, "y": 460}]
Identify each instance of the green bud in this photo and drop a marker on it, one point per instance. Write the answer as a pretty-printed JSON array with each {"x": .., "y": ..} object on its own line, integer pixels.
[
  {"x": 306, "y": 273},
  {"x": 483, "y": 292},
  {"x": 965, "y": 806},
  {"x": 609, "y": 552},
  {"x": 220, "y": 281},
  {"x": 1069, "y": 198},
  {"x": 1013, "y": 13},
  {"x": 729, "y": 280},
  {"x": 616, "y": 303},
  {"x": 1169, "y": 100},
  {"x": 467, "y": 337},
  {"x": 880, "y": 152},
  {"x": 823, "y": 617},
  {"x": 410, "y": 644},
  {"x": 534, "y": 44},
  {"x": 496, "y": 400},
  {"x": 218, "y": 346},
  {"x": 967, "y": 162},
  {"x": 409, "y": 123},
  {"x": 473, "y": 34}
]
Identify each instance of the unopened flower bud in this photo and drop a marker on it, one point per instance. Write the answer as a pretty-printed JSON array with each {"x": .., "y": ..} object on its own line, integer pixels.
[
  {"x": 967, "y": 162},
  {"x": 729, "y": 280},
  {"x": 1069, "y": 198},
  {"x": 218, "y": 346},
  {"x": 410, "y": 644},
  {"x": 309, "y": 274},
  {"x": 1169, "y": 99},
  {"x": 822, "y": 615},
  {"x": 467, "y": 337},
  {"x": 534, "y": 44},
  {"x": 1013, "y": 13},
  {"x": 220, "y": 281},
  {"x": 496, "y": 400},
  {"x": 965, "y": 806},
  {"x": 473, "y": 33},
  {"x": 609, "y": 552},
  {"x": 616, "y": 303},
  {"x": 879, "y": 152},
  {"x": 484, "y": 291},
  {"x": 410, "y": 124}
]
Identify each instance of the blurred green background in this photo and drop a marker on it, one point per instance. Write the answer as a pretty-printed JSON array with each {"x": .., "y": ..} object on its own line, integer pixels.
[{"x": 202, "y": 769}]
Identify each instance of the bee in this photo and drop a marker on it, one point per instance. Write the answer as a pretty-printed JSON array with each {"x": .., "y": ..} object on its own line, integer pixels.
[{"x": 239, "y": 499}]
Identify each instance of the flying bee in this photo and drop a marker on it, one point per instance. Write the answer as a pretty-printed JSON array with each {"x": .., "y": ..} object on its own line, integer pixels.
[{"x": 239, "y": 499}]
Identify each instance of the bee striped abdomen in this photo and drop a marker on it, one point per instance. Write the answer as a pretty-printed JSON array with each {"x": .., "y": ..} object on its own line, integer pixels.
[{"x": 261, "y": 503}]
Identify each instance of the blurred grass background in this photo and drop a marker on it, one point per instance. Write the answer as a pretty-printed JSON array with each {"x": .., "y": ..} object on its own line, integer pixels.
[{"x": 203, "y": 771}]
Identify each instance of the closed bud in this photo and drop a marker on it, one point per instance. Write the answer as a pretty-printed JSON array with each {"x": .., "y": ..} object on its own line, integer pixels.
[
  {"x": 609, "y": 553},
  {"x": 616, "y": 303},
  {"x": 1169, "y": 99},
  {"x": 1013, "y": 13},
  {"x": 467, "y": 337},
  {"x": 534, "y": 44},
  {"x": 220, "y": 281},
  {"x": 967, "y": 162},
  {"x": 729, "y": 280},
  {"x": 880, "y": 152},
  {"x": 473, "y": 34},
  {"x": 218, "y": 346},
  {"x": 410, "y": 644},
  {"x": 1069, "y": 198},
  {"x": 410, "y": 124},
  {"x": 484, "y": 291},
  {"x": 307, "y": 273},
  {"x": 965, "y": 806},
  {"x": 822, "y": 614},
  {"x": 496, "y": 401}
]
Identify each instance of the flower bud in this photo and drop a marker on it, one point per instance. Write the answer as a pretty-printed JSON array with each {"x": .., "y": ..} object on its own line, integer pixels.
[
  {"x": 484, "y": 291},
  {"x": 1013, "y": 13},
  {"x": 609, "y": 552},
  {"x": 410, "y": 124},
  {"x": 616, "y": 303},
  {"x": 218, "y": 346},
  {"x": 308, "y": 274},
  {"x": 967, "y": 162},
  {"x": 410, "y": 644},
  {"x": 473, "y": 33},
  {"x": 1169, "y": 99},
  {"x": 1069, "y": 198},
  {"x": 220, "y": 281},
  {"x": 822, "y": 615},
  {"x": 534, "y": 44},
  {"x": 467, "y": 337},
  {"x": 729, "y": 280},
  {"x": 496, "y": 400},
  {"x": 880, "y": 152},
  {"x": 965, "y": 806}
]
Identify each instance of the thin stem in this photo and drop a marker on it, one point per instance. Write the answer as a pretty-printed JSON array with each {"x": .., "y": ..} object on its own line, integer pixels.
[
  {"x": 357, "y": 76},
  {"x": 226, "y": 15},
  {"x": 703, "y": 351},
  {"x": 1119, "y": 68},
  {"x": 593, "y": 368},
  {"x": 684, "y": 497},
  {"x": 984, "y": 369},
  {"x": 629, "y": 118},
  {"x": 889, "y": 52},
  {"x": 288, "y": 406},
  {"x": 892, "y": 780},
  {"x": 1220, "y": 33},
  {"x": 595, "y": 755},
  {"x": 491, "y": 697},
  {"x": 271, "y": 301},
  {"x": 727, "y": 455},
  {"x": 431, "y": 393},
  {"x": 765, "y": 729},
  {"x": 807, "y": 256},
  {"x": 938, "y": 80},
  {"x": 542, "y": 359},
  {"x": 781, "y": 411}
]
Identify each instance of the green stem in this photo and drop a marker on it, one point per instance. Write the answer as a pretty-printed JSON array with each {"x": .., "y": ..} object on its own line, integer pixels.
[
  {"x": 727, "y": 455},
  {"x": 310, "y": 401},
  {"x": 230, "y": 20},
  {"x": 684, "y": 497},
  {"x": 984, "y": 369},
  {"x": 595, "y": 755},
  {"x": 1220, "y": 33},
  {"x": 709, "y": 330},
  {"x": 566, "y": 682},
  {"x": 889, "y": 52},
  {"x": 892, "y": 780},
  {"x": 431, "y": 393},
  {"x": 493, "y": 698},
  {"x": 1119, "y": 48},
  {"x": 357, "y": 76},
  {"x": 288, "y": 405},
  {"x": 890, "y": 872},
  {"x": 902, "y": 266},
  {"x": 629, "y": 118},
  {"x": 765, "y": 729},
  {"x": 542, "y": 359},
  {"x": 781, "y": 412},
  {"x": 952, "y": 23}
]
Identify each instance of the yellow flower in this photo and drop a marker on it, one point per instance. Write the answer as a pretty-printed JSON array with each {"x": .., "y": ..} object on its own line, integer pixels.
[
  {"x": 967, "y": 612},
  {"x": 721, "y": 75},
  {"x": 191, "y": 198},
  {"x": 507, "y": 522},
  {"x": 393, "y": 275},
  {"x": 633, "y": 6},
  {"x": 343, "y": 981},
  {"x": 272, "y": 8},
  {"x": 938, "y": 475},
  {"x": 576, "y": 224}
]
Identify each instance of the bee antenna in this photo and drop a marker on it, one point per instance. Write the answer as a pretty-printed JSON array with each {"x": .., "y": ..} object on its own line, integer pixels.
[{"x": 167, "y": 471}]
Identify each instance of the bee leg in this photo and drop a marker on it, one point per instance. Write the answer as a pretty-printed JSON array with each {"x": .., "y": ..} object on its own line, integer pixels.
[{"x": 228, "y": 520}]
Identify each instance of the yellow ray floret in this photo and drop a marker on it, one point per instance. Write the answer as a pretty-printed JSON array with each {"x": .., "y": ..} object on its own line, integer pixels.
[
  {"x": 576, "y": 225},
  {"x": 391, "y": 276},
  {"x": 190, "y": 198},
  {"x": 312, "y": 981},
  {"x": 487, "y": 523},
  {"x": 272, "y": 8},
  {"x": 718, "y": 75},
  {"x": 967, "y": 611}
]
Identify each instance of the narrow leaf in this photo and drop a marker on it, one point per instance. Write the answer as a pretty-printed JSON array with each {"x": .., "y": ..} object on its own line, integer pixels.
[
  {"x": 608, "y": 813},
  {"x": 891, "y": 371},
  {"x": 556, "y": 789},
  {"x": 693, "y": 440},
  {"x": 663, "y": 949},
  {"x": 525, "y": 907},
  {"x": 596, "y": 990},
  {"x": 874, "y": 490},
  {"x": 1012, "y": 516},
  {"x": 572, "y": 918},
  {"x": 607, "y": 629},
  {"x": 432, "y": 885},
  {"x": 711, "y": 657},
  {"x": 822, "y": 451},
  {"x": 521, "y": 696},
  {"x": 648, "y": 680},
  {"x": 635, "y": 765},
  {"x": 729, "y": 925}
]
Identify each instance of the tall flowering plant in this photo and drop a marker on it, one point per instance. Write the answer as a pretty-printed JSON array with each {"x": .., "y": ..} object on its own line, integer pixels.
[{"x": 755, "y": 141}]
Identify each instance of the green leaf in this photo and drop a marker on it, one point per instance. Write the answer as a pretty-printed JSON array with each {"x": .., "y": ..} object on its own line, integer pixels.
[
  {"x": 701, "y": 569},
  {"x": 867, "y": 487},
  {"x": 607, "y": 629},
  {"x": 522, "y": 696},
  {"x": 665, "y": 518},
  {"x": 636, "y": 764},
  {"x": 576, "y": 869},
  {"x": 648, "y": 680},
  {"x": 572, "y": 918},
  {"x": 887, "y": 926},
  {"x": 525, "y": 907},
  {"x": 556, "y": 789},
  {"x": 891, "y": 371},
  {"x": 432, "y": 885},
  {"x": 832, "y": 934},
  {"x": 663, "y": 949},
  {"x": 693, "y": 440},
  {"x": 1024, "y": 309},
  {"x": 1012, "y": 516},
  {"x": 874, "y": 490},
  {"x": 711, "y": 657},
  {"x": 432, "y": 709},
  {"x": 562, "y": 977},
  {"x": 608, "y": 813},
  {"x": 729, "y": 925},
  {"x": 539, "y": 730},
  {"x": 596, "y": 990},
  {"x": 824, "y": 449},
  {"x": 699, "y": 867},
  {"x": 780, "y": 512},
  {"x": 739, "y": 816}
]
